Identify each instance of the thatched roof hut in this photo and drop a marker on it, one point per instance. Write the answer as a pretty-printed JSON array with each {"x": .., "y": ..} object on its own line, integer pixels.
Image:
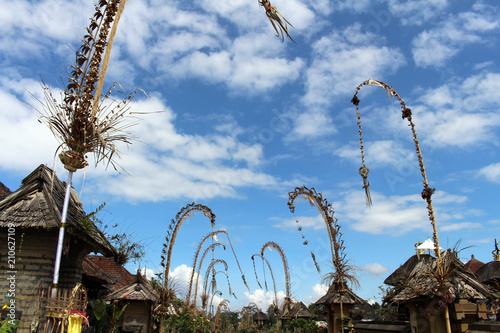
[
  {"x": 141, "y": 297},
  {"x": 418, "y": 291},
  {"x": 38, "y": 204},
  {"x": 335, "y": 297},
  {"x": 490, "y": 274},
  {"x": 31, "y": 216},
  {"x": 338, "y": 301},
  {"x": 139, "y": 290},
  {"x": 260, "y": 316},
  {"x": 414, "y": 280},
  {"x": 300, "y": 310}
]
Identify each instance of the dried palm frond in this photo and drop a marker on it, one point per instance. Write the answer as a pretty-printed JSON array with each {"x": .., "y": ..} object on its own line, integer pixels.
[
  {"x": 278, "y": 21},
  {"x": 83, "y": 121}
]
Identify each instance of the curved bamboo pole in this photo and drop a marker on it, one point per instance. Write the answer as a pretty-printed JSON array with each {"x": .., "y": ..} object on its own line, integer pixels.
[
  {"x": 210, "y": 247},
  {"x": 406, "y": 113},
  {"x": 272, "y": 275},
  {"x": 274, "y": 245},
  {"x": 211, "y": 235},
  {"x": 185, "y": 213},
  {"x": 207, "y": 273},
  {"x": 427, "y": 191},
  {"x": 323, "y": 206},
  {"x": 195, "y": 260}
]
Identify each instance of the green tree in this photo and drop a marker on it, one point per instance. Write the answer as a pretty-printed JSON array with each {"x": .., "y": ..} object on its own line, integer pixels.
[
  {"x": 126, "y": 248},
  {"x": 272, "y": 315},
  {"x": 229, "y": 319},
  {"x": 301, "y": 325}
]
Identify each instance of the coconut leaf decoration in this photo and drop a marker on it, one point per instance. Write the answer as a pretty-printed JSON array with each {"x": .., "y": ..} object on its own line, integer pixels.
[
  {"x": 278, "y": 21},
  {"x": 83, "y": 119}
]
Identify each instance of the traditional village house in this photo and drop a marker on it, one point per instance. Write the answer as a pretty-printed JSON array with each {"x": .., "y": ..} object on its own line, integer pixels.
[
  {"x": 297, "y": 310},
  {"x": 473, "y": 264},
  {"x": 32, "y": 216},
  {"x": 102, "y": 276},
  {"x": 300, "y": 310},
  {"x": 260, "y": 319},
  {"x": 489, "y": 273},
  {"x": 141, "y": 298},
  {"x": 419, "y": 294},
  {"x": 335, "y": 297}
]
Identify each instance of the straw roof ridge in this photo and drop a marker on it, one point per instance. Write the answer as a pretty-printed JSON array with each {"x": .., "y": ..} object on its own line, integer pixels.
[
  {"x": 139, "y": 290},
  {"x": 300, "y": 310},
  {"x": 418, "y": 282},
  {"x": 489, "y": 272},
  {"x": 334, "y": 297},
  {"x": 38, "y": 204},
  {"x": 260, "y": 316}
]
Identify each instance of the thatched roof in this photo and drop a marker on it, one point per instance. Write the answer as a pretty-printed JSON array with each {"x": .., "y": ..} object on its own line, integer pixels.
[
  {"x": 300, "y": 310},
  {"x": 38, "y": 204},
  {"x": 414, "y": 280},
  {"x": 260, "y": 316},
  {"x": 335, "y": 297},
  {"x": 490, "y": 272},
  {"x": 412, "y": 265},
  {"x": 139, "y": 290}
]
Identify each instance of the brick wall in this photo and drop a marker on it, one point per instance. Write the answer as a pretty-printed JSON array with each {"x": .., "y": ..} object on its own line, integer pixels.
[{"x": 34, "y": 268}]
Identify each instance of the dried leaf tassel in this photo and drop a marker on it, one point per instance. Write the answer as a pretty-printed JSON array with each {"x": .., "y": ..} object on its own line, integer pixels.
[
  {"x": 278, "y": 21},
  {"x": 315, "y": 263},
  {"x": 363, "y": 171}
]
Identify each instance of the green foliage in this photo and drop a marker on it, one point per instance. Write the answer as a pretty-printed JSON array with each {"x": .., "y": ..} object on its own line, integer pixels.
[
  {"x": 317, "y": 309},
  {"x": 301, "y": 325},
  {"x": 229, "y": 319},
  {"x": 272, "y": 316},
  {"x": 6, "y": 325},
  {"x": 384, "y": 312},
  {"x": 125, "y": 247},
  {"x": 185, "y": 322},
  {"x": 107, "y": 315}
]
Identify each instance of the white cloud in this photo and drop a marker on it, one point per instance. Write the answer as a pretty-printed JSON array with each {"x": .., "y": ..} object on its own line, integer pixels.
[
  {"x": 374, "y": 269},
  {"x": 378, "y": 153},
  {"x": 491, "y": 172},
  {"x": 461, "y": 112},
  {"x": 360, "y": 6},
  {"x": 38, "y": 25},
  {"x": 436, "y": 46},
  {"x": 164, "y": 164},
  {"x": 264, "y": 298},
  {"x": 196, "y": 45},
  {"x": 460, "y": 226},
  {"x": 340, "y": 62},
  {"x": 344, "y": 59},
  {"x": 397, "y": 215},
  {"x": 25, "y": 142},
  {"x": 319, "y": 290},
  {"x": 417, "y": 12},
  {"x": 314, "y": 222}
]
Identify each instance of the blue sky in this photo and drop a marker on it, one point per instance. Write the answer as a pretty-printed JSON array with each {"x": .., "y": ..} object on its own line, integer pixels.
[{"x": 246, "y": 118}]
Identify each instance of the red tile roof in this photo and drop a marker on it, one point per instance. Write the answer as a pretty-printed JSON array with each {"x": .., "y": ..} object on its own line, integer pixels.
[
  {"x": 4, "y": 190},
  {"x": 105, "y": 268},
  {"x": 473, "y": 265}
]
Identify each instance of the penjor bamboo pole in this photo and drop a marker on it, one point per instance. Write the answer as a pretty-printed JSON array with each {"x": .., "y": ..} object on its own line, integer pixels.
[{"x": 60, "y": 240}]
